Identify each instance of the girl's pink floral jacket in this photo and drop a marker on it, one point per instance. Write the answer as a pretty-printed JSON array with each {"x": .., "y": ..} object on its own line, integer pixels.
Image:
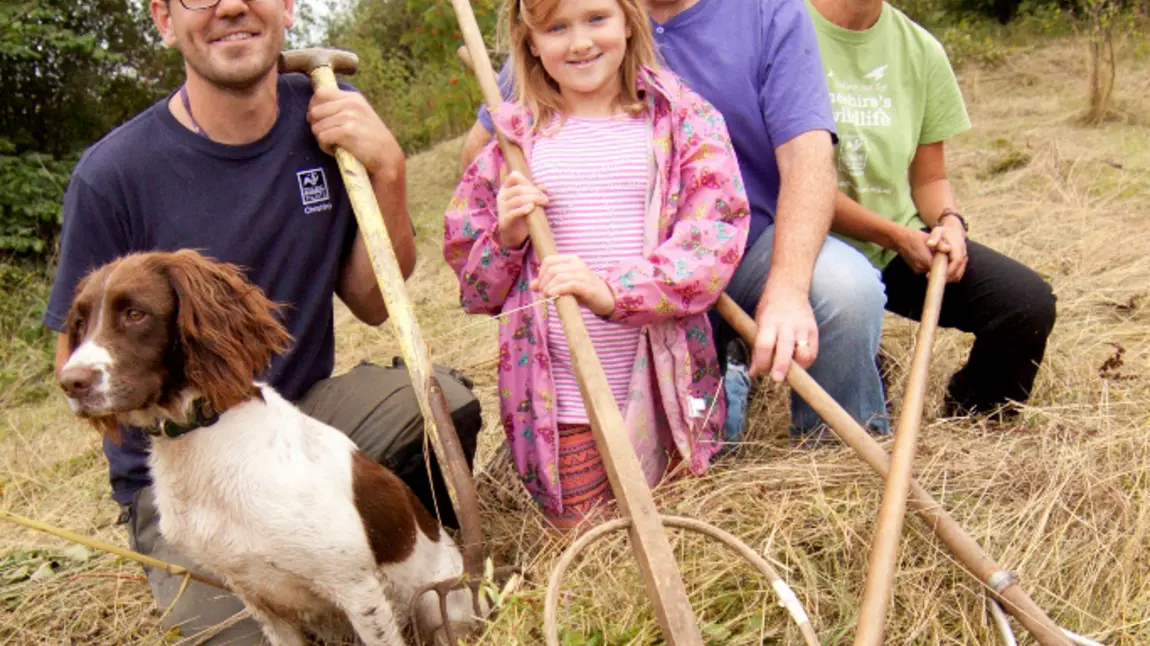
[{"x": 696, "y": 228}]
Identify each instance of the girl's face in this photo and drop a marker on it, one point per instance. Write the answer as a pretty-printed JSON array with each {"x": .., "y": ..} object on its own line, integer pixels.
[{"x": 582, "y": 48}]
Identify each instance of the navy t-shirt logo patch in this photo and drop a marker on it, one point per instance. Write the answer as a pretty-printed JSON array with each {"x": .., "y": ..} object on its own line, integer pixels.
[{"x": 313, "y": 189}]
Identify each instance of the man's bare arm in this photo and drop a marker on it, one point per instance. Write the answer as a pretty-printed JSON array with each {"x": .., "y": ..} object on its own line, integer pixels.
[
  {"x": 61, "y": 352},
  {"x": 807, "y": 190},
  {"x": 344, "y": 119},
  {"x": 477, "y": 138}
]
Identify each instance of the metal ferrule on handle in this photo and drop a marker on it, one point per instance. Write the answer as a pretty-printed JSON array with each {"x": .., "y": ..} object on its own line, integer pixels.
[{"x": 944, "y": 526}]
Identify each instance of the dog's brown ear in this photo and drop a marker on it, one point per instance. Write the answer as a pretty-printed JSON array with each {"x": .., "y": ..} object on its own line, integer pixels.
[{"x": 226, "y": 327}]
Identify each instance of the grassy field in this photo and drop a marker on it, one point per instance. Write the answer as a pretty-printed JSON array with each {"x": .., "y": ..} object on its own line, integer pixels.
[{"x": 1063, "y": 497}]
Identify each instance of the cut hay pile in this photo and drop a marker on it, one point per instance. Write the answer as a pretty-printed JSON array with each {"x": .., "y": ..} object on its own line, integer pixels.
[{"x": 1062, "y": 497}]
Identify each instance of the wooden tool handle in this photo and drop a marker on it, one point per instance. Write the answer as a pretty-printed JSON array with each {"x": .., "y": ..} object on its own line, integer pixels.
[
  {"x": 142, "y": 559},
  {"x": 960, "y": 543},
  {"x": 648, "y": 539},
  {"x": 401, "y": 315},
  {"x": 884, "y": 549}
]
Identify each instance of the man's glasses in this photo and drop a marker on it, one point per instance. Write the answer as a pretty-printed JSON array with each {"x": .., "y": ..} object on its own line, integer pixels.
[{"x": 199, "y": 5}]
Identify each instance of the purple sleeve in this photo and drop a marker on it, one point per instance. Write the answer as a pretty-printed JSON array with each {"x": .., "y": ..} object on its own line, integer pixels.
[
  {"x": 94, "y": 233},
  {"x": 506, "y": 88},
  {"x": 793, "y": 95}
]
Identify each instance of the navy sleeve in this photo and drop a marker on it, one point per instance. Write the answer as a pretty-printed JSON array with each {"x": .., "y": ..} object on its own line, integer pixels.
[
  {"x": 94, "y": 233},
  {"x": 793, "y": 93},
  {"x": 506, "y": 88}
]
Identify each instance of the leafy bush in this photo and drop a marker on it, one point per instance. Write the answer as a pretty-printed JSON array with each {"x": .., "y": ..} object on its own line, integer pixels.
[
  {"x": 969, "y": 36},
  {"x": 71, "y": 72},
  {"x": 408, "y": 65},
  {"x": 1039, "y": 17},
  {"x": 31, "y": 194},
  {"x": 26, "y": 346}
]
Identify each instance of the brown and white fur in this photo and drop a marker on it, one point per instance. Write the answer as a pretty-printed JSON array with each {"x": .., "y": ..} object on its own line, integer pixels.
[{"x": 300, "y": 524}]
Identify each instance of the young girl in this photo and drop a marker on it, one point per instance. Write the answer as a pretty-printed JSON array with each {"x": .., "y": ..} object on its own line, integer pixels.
[{"x": 641, "y": 188}]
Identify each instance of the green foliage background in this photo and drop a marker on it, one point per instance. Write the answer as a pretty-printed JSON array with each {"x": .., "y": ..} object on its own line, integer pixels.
[
  {"x": 71, "y": 72},
  {"x": 409, "y": 68}
]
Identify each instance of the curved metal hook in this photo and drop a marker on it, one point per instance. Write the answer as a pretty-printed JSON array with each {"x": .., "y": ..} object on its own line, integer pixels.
[{"x": 786, "y": 595}]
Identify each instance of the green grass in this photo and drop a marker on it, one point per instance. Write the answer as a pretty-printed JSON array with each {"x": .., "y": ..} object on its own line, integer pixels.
[{"x": 26, "y": 346}]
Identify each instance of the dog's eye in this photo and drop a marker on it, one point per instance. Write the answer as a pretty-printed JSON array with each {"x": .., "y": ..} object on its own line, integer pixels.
[{"x": 133, "y": 316}]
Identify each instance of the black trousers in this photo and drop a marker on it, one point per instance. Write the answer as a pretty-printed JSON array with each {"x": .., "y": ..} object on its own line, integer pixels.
[
  {"x": 1008, "y": 308},
  {"x": 376, "y": 407}
]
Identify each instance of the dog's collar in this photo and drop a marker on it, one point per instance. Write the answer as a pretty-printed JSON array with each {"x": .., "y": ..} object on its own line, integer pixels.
[{"x": 202, "y": 417}]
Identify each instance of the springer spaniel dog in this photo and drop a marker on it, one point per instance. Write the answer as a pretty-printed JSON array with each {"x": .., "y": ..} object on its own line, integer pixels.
[{"x": 301, "y": 525}]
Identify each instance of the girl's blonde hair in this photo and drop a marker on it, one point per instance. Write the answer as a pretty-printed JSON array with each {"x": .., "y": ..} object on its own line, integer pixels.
[{"x": 537, "y": 90}]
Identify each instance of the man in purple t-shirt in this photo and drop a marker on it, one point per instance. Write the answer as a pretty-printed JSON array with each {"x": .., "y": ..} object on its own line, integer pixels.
[{"x": 758, "y": 63}]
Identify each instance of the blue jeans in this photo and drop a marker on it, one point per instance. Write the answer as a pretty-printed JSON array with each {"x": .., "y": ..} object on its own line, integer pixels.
[{"x": 848, "y": 298}]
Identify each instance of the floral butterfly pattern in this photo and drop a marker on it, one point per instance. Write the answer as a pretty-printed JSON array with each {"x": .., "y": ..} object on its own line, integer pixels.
[{"x": 700, "y": 228}]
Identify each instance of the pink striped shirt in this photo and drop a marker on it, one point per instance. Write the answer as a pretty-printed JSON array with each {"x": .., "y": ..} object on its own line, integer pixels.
[{"x": 595, "y": 172}]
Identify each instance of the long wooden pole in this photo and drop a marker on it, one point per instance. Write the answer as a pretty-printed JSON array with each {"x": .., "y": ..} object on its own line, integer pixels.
[
  {"x": 428, "y": 393},
  {"x": 1000, "y": 583},
  {"x": 884, "y": 548},
  {"x": 143, "y": 559},
  {"x": 401, "y": 315},
  {"x": 649, "y": 541}
]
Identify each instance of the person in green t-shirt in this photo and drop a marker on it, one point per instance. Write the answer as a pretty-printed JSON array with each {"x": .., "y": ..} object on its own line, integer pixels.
[{"x": 895, "y": 101}]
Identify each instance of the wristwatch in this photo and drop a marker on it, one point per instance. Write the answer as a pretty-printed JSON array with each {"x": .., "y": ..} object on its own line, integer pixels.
[{"x": 952, "y": 213}]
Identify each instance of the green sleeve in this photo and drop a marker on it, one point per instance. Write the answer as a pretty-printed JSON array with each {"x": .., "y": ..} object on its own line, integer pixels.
[{"x": 945, "y": 114}]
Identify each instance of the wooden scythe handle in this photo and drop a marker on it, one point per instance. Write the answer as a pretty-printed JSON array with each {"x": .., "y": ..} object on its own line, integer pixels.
[
  {"x": 884, "y": 548},
  {"x": 999, "y": 584},
  {"x": 401, "y": 315},
  {"x": 649, "y": 541}
]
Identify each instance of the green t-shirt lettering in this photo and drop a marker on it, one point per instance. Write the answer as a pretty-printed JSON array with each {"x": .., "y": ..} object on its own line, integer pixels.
[{"x": 892, "y": 89}]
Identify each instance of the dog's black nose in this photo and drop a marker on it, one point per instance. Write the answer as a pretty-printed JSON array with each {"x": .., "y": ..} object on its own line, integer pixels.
[{"x": 78, "y": 381}]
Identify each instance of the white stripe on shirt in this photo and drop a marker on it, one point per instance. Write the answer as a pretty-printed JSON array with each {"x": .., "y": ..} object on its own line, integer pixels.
[{"x": 595, "y": 173}]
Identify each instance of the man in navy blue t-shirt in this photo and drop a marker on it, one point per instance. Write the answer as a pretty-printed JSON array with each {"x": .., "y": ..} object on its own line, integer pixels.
[
  {"x": 758, "y": 63},
  {"x": 236, "y": 165}
]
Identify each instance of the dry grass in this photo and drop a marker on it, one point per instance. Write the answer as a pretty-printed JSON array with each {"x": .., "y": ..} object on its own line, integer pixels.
[{"x": 1064, "y": 498}]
